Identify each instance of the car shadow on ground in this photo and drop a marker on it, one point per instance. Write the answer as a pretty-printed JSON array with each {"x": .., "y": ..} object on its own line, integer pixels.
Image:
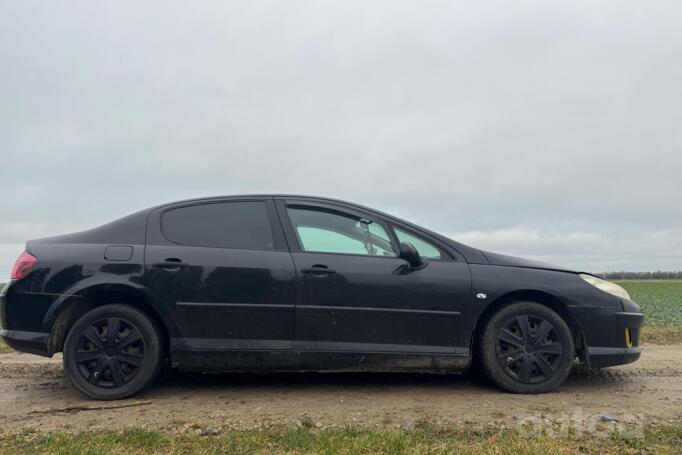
[
  {"x": 305, "y": 379},
  {"x": 472, "y": 379}
]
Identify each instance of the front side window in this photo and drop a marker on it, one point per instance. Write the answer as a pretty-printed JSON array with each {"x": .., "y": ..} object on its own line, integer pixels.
[
  {"x": 323, "y": 231},
  {"x": 240, "y": 225},
  {"x": 425, "y": 249}
]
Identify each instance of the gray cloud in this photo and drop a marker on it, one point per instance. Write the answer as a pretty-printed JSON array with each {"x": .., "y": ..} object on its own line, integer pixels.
[{"x": 540, "y": 129}]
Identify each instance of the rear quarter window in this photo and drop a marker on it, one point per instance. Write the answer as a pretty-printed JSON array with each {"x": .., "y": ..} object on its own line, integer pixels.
[{"x": 240, "y": 225}]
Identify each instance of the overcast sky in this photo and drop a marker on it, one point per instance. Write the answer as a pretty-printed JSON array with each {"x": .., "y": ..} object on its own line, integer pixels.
[{"x": 549, "y": 130}]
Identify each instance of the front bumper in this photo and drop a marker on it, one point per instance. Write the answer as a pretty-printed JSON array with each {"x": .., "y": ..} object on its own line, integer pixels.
[
  {"x": 31, "y": 342},
  {"x": 627, "y": 349},
  {"x": 601, "y": 357}
]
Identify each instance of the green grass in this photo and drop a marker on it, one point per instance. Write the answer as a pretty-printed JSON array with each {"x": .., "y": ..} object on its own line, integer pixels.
[
  {"x": 661, "y": 334},
  {"x": 661, "y": 303},
  {"x": 352, "y": 440}
]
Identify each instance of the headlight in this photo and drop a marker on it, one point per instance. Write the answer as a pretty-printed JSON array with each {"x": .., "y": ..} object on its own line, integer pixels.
[{"x": 606, "y": 286}]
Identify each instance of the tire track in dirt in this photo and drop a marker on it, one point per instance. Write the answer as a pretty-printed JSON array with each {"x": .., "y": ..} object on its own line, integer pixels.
[{"x": 33, "y": 390}]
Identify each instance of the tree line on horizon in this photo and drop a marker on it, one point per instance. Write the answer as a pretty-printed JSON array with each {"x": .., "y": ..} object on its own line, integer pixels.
[{"x": 657, "y": 275}]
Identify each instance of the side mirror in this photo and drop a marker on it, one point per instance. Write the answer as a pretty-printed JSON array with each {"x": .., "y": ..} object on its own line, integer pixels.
[{"x": 409, "y": 253}]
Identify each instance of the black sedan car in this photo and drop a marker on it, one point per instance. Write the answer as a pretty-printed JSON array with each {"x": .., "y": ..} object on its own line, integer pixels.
[{"x": 273, "y": 283}]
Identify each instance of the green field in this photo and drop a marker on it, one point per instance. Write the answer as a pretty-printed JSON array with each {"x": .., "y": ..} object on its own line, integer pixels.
[
  {"x": 661, "y": 303},
  {"x": 660, "y": 300},
  {"x": 664, "y": 439}
]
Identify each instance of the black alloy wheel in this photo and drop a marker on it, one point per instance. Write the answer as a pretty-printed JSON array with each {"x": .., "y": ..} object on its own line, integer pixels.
[
  {"x": 526, "y": 347},
  {"x": 529, "y": 349},
  {"x": 112, "y": 352}
]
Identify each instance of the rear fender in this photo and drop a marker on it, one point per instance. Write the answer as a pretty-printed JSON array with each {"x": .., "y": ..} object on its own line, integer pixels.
[{"x": 59, "y": 311}]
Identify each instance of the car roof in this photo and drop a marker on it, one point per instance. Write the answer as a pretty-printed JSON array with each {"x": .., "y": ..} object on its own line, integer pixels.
[{"x": 274, "y": 196}]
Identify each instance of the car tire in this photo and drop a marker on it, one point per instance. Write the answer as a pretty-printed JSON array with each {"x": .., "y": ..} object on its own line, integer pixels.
[
  {"x": 526, "y": 348},
  {"x": 113, "y": 367}
]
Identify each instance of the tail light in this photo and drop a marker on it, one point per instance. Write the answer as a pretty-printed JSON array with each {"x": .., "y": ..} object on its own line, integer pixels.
[{"x": 23, "y": 265}]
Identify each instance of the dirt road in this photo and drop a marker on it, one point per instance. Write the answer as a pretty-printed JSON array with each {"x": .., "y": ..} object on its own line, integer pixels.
[{"x": 34, "y": 393}]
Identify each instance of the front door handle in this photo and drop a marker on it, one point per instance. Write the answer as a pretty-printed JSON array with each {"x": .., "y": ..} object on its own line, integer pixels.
[{"x": 318, "y": 270}]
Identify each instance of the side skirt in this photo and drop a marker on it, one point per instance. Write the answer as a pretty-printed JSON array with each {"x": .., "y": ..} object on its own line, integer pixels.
[{"x": 306, "y": 361}]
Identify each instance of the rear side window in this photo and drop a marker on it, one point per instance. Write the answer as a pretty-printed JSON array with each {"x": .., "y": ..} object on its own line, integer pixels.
[{"x": 243, "y": 225}]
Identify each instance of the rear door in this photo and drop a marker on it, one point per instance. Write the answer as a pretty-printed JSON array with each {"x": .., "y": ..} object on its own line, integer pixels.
[
  {"x": 223, "y": 271},
  {"x": 356, "y": 295}
]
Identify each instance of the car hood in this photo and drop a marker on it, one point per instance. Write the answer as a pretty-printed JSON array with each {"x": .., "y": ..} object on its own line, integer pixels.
[{"x": 512, "y": 261}]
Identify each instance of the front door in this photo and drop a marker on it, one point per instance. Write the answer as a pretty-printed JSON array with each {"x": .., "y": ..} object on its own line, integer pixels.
[
  {"x": 356, "y": 295},
  {"x": 224, "y": 273}
]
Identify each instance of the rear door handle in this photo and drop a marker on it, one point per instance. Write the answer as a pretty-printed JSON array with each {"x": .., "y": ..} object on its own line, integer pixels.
[
  {"x": 171, "y": 264},
  {"x": 318, "y": 270}
]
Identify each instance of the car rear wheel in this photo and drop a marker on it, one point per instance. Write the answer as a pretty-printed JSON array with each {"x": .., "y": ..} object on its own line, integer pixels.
[
  {"x": 527, "y": 348},
  {"x": 112, "y": 352}
]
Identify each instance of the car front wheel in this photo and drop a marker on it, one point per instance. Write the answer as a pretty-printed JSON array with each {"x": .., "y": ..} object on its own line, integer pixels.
[
  {"x": 112, "y": 352},
  {"x": 527, "y": 348}
]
